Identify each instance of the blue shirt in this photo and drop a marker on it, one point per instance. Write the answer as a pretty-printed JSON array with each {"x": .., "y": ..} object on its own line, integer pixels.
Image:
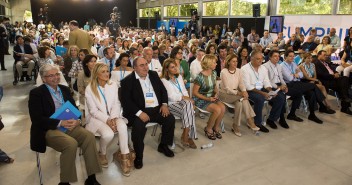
[{"x": 288, "y": 70}]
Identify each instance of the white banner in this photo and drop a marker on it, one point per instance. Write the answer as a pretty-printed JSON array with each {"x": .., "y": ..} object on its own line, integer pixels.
[{"x": 322, "y": 23}]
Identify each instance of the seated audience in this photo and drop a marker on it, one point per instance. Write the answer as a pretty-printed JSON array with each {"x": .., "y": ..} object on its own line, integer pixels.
[
  {"x": 309, "y": 45},
  {"x": 266, "y": 40},
  {"x": 179, "y": 102},
  {"x": 205, "y": 95},
  {"x": 310, "y": 75},
  {"x": 196, "y": 66},
  {"x": 109, "y": 57},
  {"x": 324, "y": 45},
  {"x": 220, "y": 65},
  {"x": 332, "y": 80},
  {"x": 144, "y": 99},
  {"x": 253, "y": 37},
  {"x": 234, "y": 92},
  {"x": 279, "y": 42},
  {"x": 122, "y": 69},
  {"x": 69, "y": 59},
  {"x": 181, "y": 65},
  {"x": 346, "y": 60},
  {"x": 335, "y": 40},
  {"x": 103, "y": 116},
  {"x": 43, "y": 102},
  {"x": 256, "y": 80},
  {"x": 83, "y": 78},
  {"x": 293, "y": 42},
  {"x": 243, "y": 57},
  {"x": 23, "y": 55},
  {"x": 154, "y": 65}
]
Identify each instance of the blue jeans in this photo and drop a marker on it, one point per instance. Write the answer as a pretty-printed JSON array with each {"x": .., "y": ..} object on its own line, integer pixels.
[{"x": 278, "y": 106}]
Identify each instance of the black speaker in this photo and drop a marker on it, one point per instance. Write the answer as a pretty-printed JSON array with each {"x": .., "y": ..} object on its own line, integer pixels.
[
  {"x": 256, "y": 10},
  {"x": 194, "y": 12}
]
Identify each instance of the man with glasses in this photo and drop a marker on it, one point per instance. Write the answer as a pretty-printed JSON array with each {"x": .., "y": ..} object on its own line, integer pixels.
[
  {"x": 62, "y": 135},
  {"x": 153, "y": 64}
]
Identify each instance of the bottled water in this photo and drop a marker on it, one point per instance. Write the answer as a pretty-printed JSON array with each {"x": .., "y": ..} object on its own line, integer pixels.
[{"x": 209, "y": 145}]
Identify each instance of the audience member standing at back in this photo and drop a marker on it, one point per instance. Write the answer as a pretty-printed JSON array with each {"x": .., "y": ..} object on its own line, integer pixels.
[{"x": 79, "y": 37}]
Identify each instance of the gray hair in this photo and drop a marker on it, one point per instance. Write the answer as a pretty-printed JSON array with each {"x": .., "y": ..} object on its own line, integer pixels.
[{"x": 47, "y": 67}]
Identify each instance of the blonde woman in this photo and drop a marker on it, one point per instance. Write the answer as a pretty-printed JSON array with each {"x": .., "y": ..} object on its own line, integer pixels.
[
  {"x": 103, "y": 115},
  {"x": 324, "y": 45},
  {"x": 234, "y": 91},
  {"x": 179, "y": 102},
  {"x": 205, "y": 95}
]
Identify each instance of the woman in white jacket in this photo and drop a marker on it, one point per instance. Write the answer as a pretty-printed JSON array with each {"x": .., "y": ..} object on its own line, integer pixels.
[{"x": 103, "y": 115}]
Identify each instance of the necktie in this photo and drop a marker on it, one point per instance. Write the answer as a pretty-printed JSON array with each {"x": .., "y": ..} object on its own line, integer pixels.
[
  {"x": 328, "y": 68},
  {"x": 111, "y": 66}
]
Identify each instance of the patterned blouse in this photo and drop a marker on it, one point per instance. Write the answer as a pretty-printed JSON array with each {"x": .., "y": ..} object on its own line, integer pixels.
[{"x": 207, "y": 84}]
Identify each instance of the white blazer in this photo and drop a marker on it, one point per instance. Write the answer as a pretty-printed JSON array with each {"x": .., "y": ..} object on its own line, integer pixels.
[{"x": 95, "y": 110}]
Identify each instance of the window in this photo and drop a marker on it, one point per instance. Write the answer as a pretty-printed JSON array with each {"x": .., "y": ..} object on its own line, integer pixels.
[
  {"x": 217, "y": 8},
  {"x": 171, "y": 11},
  {"x": 149, "y": 12},
  {"x": 245, "y": 7},
  {"x": 185, "y": 9},
  {"x": 345, "y": 7},
  {"x": 305, "y": 7}
]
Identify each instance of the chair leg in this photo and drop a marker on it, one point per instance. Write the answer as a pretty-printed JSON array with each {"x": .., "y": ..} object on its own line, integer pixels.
[
  {"x": 337, "y": 100},
  {"x": 154, "y": 129},
  {"x": 39, "y": 169},
  {"x": 222, "y": 125}
]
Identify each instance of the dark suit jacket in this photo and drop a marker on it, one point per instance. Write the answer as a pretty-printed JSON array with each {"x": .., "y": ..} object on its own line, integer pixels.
[
  {"x": 310, "y": 46},
  {"x": 132, "y": 97},
  {"x": 296, "y": 45},
  {"x": 41, "y": 107},
  {"x": 218, "y": 67},
  {"x": 17, "y": 48},
  {"x": 2, "y": 40},
  {"x": 322, "y": 73}
]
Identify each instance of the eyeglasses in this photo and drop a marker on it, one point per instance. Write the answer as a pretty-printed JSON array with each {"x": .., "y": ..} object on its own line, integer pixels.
[
  {"x": 179, "y": 53},
  {"x": 53, "y": 75}
]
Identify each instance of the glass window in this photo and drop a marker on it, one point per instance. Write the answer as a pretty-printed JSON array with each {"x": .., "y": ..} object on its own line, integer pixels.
[
  {"x": 185, "y": 9},
  {"x": 149, "y": 12},
  {"x": 245, "y": 7},
  {"x": 305, "y": 7},
  {"x": 345, "y": 7},
  {"x": 217, "y": 8},
  {"x": 171, "y": 11}
]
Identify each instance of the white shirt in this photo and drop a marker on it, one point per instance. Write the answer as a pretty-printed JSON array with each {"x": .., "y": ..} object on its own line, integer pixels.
[
  {"x": 175, "y": 91},
  {"x": 147, "y": 87},
  {"x": 251, "y": 77},
  {"x": 155, "y": 65},
  {"x": 195, "y": 68},
  {"x": 274, "y": 73}
]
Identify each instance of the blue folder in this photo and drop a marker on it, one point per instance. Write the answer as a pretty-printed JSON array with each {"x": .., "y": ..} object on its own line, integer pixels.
[
  {"x": 61, "y": 51},
  {"x": 66, "y": 112}
]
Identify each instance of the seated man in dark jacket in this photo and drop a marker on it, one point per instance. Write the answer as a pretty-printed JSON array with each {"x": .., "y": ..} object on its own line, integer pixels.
[{"x": 23, "y": 54}]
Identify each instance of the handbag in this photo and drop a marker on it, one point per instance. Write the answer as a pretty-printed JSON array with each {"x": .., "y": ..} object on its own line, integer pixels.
[
  {"x": 1, "y": 92},
  {"x": 1, "y": 123},
  {"x": 75, "y": 86}
]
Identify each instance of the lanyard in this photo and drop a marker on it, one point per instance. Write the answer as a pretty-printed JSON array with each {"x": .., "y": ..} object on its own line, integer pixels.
[
  {"x": 177, "y": 85},
  {"x": 51, "y": 90},
  {"x": 309, "y": 46},
  {"x": 147, "y": 86},
  {"x": 274, "y": 71},
  {"x": 290, "y": 68},
  {"x": 106, "y": 103},
  {"x": 151, "y": 65},
  {"x": 255, "y": 73},
  {"x": 122, "y": 75}
]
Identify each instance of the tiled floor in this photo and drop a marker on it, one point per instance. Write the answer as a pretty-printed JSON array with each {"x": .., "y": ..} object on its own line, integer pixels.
[{"x": 305, "y": 154}]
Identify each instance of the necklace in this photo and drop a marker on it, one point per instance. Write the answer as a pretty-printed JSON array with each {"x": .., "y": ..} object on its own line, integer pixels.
[{"x": 232, "y": 72}]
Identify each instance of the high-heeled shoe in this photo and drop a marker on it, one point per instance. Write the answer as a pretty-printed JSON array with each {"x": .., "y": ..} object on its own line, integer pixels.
[
  {"x": 208, "y": 134},
  {"x": 252, "y": 126},
  {"x": 217, "y": 134},
  {"x": 236, "y": 131}
]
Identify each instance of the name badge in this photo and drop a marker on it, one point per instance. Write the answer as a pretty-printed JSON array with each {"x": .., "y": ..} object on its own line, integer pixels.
[
  {"x": 259, "y": 85},
  {"x": 149, "y": 100}
]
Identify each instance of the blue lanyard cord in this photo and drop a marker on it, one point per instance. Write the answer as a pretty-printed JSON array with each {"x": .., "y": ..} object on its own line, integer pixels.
[
  {"x": 177, "y": 85},
  {"x": 290, "y": 68},
  {"x": 147, "y": 86},
  {"x": 276, "y": 71},
  {"x": 255, "y": 73},
  {"x": 122, "y": 75},
  {"x": 60, "y": 99},
  {"x": 106, "y": 103}
]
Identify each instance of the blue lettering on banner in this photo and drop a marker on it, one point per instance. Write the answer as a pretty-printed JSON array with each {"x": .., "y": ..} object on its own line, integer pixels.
[{"x": 321, "y": 31}]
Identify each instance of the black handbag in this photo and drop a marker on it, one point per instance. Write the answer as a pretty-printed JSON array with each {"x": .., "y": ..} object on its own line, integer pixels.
[{"x": 75, "y": 86}]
